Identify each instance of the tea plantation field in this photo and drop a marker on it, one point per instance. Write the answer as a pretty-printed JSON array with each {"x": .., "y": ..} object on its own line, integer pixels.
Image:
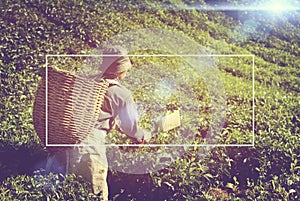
[{"x": 233, "y": 74}]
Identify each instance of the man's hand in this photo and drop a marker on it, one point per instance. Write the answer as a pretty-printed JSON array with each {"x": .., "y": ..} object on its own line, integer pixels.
[{"x": 146, "y": 138}]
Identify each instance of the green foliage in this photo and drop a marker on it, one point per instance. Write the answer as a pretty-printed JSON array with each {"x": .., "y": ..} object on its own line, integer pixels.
[
  {"x": 46, "y": 187},
  {"x": 31, "y": 29}
]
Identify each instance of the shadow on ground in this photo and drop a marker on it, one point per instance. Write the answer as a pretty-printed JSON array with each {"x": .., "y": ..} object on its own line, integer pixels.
[{"x": 20, "y": 159}]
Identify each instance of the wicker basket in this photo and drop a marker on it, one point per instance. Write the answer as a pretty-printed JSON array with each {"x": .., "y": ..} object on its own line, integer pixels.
[{"x": 74, "y": 104}]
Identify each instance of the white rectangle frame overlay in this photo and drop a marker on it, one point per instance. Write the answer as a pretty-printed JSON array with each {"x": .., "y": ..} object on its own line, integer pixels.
[{"x": 156, "y": 145}]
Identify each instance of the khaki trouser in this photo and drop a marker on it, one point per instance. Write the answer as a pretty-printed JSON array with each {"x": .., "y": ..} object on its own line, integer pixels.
[
  {"x": 89, "y": 167},
  {"x": 90, "y": 162}
]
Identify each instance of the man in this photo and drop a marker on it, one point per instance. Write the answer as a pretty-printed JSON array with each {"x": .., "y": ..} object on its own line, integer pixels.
[{"x": 118, "y": 110}]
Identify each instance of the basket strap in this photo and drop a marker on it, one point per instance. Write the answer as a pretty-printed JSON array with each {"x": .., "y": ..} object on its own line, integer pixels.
[{"x": 112, "y": 82}]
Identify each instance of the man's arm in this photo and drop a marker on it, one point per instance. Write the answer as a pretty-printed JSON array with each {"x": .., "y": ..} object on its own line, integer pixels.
[{"x": 127, "y": 122}]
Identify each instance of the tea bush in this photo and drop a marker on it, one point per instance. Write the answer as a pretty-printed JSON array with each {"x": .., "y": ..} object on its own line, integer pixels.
[
  {"x": 270, "y": 170},
  {"x": 42, "y": 186}
]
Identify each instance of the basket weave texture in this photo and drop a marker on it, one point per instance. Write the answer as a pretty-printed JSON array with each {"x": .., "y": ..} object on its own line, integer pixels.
[{"x": 73, "y": 105}]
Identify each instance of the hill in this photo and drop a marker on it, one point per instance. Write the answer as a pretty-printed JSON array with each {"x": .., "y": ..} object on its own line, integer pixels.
[{"x": 232, "y": 73}]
